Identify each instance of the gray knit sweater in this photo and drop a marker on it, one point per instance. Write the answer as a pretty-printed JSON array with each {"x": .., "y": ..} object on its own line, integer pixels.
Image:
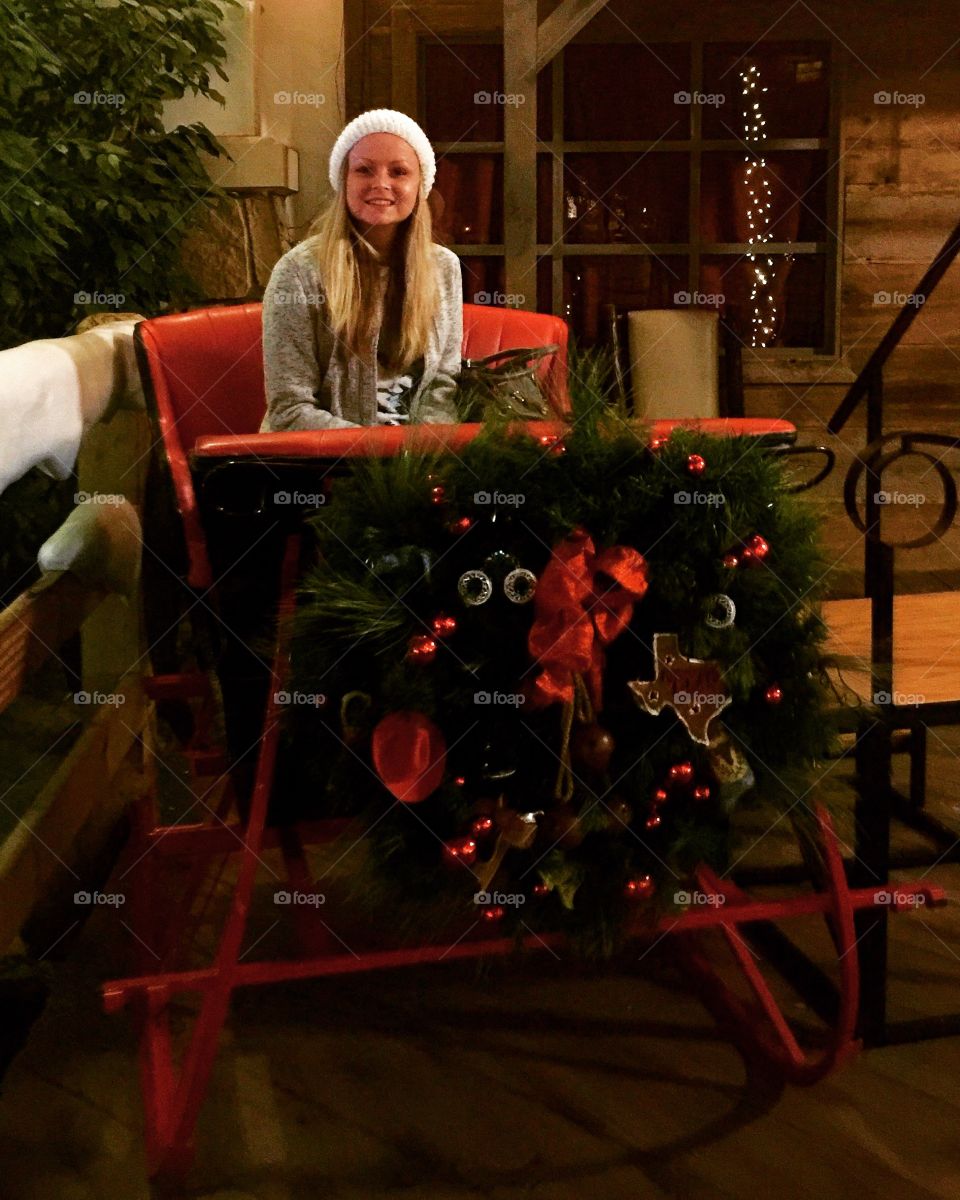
[{"x": 312, "y": 383}]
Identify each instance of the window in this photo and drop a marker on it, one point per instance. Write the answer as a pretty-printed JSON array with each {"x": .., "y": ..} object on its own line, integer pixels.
[{"x": 667, "y": 174}]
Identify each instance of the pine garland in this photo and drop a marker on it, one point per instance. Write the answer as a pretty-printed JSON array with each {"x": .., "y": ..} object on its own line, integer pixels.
[{"x": 389, "y": 562}]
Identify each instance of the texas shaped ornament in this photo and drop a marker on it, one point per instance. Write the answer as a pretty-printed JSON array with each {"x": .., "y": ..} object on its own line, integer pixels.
[{"x": 692, "y": 687}]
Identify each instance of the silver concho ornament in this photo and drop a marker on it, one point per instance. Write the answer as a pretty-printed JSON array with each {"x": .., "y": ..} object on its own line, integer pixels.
[{"x": 475, "y": 588}]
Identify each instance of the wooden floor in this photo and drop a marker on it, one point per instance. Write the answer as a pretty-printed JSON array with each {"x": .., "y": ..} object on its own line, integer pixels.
[{"x": 542, "y": 1080}]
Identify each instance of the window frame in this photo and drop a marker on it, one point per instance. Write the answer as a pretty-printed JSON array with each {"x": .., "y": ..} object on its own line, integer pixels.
[{"x": 694, "y": 146}]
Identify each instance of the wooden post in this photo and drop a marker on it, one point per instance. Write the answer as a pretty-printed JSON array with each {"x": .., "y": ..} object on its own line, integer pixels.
[{"x": 520, "y": 150}]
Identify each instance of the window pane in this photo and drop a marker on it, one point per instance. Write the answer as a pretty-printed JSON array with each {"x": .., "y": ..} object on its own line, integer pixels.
[
  {"x": 792, "y": 182},
  {"x": 471, "y": 186},
  {"x": 455, "y": 75},
  {"x": 786, "y": 298},
  {"x": 544, "y": 198},
  {"x": 464, "y": 98},
  {"x": 625, "y": 91},
  {"x": 637, "y": 281},
  {"x": 483, "y": 279},
  {"x": 626, "y": 198},
  {"x": 544, "y": 284},
  {"x": 795, "y": 74}
]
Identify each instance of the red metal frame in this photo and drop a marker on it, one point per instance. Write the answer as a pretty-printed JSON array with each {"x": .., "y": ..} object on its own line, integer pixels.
[{"x": 173, "y": 1096}]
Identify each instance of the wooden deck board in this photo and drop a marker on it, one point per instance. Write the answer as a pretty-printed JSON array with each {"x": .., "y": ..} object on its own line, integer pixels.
[{"x": 926, "y": 646}]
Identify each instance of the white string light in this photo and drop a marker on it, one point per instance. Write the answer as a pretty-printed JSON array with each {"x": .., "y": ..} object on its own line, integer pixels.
[{"x": 763, "y": 317}]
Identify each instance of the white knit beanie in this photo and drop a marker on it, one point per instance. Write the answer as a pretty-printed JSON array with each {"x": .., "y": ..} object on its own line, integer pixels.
[{"x": 385, "y": 120}]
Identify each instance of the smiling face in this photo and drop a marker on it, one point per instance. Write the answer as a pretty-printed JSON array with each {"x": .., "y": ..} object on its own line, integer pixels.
[{"x": 383, "y": 182}]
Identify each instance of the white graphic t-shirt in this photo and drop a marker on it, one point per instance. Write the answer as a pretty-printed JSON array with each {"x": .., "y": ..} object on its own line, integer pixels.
[{"x": 394, "y": 393}]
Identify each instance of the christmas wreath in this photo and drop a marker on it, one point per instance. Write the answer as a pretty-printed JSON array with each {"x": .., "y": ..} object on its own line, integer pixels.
[{"x": 552, "y": 671}]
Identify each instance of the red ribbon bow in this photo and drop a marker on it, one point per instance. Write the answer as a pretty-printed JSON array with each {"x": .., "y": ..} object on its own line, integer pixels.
[{"x": 576, "y": 615}]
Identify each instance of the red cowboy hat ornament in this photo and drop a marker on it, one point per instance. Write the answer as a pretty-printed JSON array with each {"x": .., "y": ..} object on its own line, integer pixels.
[{"x": 409, "y": 754}]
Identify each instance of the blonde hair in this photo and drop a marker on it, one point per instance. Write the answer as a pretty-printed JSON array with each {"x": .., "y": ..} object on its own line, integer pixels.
[{"x": 349, "y": 270}]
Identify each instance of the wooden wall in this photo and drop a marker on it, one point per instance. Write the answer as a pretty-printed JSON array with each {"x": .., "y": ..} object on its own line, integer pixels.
[{"x": 899, "y": 164}]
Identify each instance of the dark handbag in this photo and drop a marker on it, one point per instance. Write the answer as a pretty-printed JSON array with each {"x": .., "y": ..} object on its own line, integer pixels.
[{"x": 510, "y": 389}]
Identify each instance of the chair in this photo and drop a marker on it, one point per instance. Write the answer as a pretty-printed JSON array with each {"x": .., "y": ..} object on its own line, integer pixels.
[
  {"x": 905, "y": 675},
  {"x": 675, "y": 362}
]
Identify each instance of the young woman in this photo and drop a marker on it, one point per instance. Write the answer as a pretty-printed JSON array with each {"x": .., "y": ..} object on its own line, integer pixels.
[{"x": 363, "y": 320}]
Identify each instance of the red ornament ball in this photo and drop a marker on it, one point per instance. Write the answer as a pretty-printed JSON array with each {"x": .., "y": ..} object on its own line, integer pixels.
[
  {"x": 462, "y": 525},
  {"x": 438, "y": 494},
  {"x": 462, "y": 850},
  {"x": 460, "y": 780},
  {"x": 422, "y": 648},
  {"x": 654, "y": 821},
  {"x": 730, "y": 561},
  {"x": 540, "y": 889},
  {"x": 660, "y": 796},
  {"x": 641, "y": 887},
  {"x": 773, "y": 694},
  {"x": 696, "y": 464},
  {"x": 481, "y": 826},
  {"x": 758, "y": 546},
  {"x": 493, "y": 914},
  {"x": 443, "y": 626},
  {"x": 681, "y": 771},
  {"x": 701, "y": 793}
]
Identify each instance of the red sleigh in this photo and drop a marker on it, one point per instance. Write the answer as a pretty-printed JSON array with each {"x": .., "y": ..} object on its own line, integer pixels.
[{"x": 206, "y": 363}]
